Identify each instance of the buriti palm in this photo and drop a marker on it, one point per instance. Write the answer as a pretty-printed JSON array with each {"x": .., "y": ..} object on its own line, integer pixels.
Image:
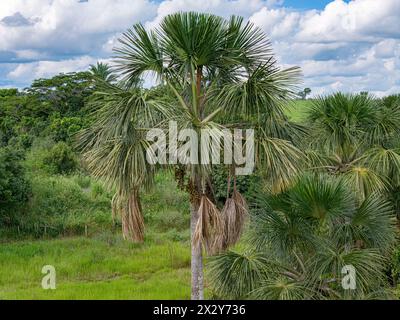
[
  {"x": 221, "y": 75},
  {"x": 183, "y": 147}
]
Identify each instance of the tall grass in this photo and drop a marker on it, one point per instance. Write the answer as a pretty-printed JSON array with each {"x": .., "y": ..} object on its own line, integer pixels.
[{"x": 97, "y": 268}]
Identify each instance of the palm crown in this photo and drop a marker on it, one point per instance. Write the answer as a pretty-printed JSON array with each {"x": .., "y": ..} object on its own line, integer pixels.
[{"x": 221, "y": 75}]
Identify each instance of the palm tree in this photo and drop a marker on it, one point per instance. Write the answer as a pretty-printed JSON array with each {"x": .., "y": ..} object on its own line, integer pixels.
[
  {"x": 102, "y": 71},
  {"x": 300, "y": 240},
  {"x": 303, "y": 94},
  {"x": 221, "y": 75},
  {"x": 356, "y": 136}
]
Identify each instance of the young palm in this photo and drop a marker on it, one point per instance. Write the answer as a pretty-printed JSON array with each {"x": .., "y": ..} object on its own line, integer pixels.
[
  {"x": 300, "y": 240},
  {"x": 222, "y": 75},
  {"x": 353, "y": 135}
]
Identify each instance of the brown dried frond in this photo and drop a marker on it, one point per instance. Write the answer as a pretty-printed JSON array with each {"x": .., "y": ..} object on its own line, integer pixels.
[
  {"x": 234, "y": 213},
  {"x": 240, "y": 203},
  {"x": 209, "y": 230},
  {"x": 130, "y": 211}
]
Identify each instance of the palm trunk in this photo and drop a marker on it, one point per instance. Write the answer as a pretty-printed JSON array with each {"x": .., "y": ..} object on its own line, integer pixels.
[
  {"x": 197, "y": 259},
  {"x": 197, "y": 256}
]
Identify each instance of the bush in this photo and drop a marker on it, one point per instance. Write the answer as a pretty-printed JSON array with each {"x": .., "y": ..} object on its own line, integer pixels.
[
  {"x": 62, "y": 129},
  {"x": 59, "y": 206},
  {"x": 61, "y": 159},
  {"x": 8, "y": 92},
  {"x": 14, "y": 187},
  {"x": 23, "y": 141},
  {"x": 395, "y": 267},
  {"x": 172, "y": 219},
  {"x": 246, "y": 185}
]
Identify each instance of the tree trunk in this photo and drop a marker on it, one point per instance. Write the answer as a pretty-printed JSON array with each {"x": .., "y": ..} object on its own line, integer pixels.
[{"x": 197, "y": 259}]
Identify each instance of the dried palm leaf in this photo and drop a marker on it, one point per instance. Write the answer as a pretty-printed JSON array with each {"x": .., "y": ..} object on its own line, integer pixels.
[
  {"x": 130, "y": 211},
  {"x": 234, "y": 213},
  {"x": 209, "y": 230}
]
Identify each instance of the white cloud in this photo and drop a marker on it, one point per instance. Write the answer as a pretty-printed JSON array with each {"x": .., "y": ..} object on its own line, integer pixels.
[
  {"x": 349, "y": 46},
  {"x": 43, "y": 69},
  {"x": 223, "y": 8},
  {"x": 68, "y": 26},
  {"x": 277, "y": 23},
  {"x": 356, "y": 20}
]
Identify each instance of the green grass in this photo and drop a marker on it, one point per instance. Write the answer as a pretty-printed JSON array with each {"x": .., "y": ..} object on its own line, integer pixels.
[
  {"x": 297, "y": 110},
  {"x": 101, "y": 265},
  {"x": 105, "y": 267}
]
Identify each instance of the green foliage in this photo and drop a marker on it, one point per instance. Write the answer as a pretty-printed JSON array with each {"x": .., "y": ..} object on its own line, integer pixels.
[
  {"x": 102, "y": 71},
  {"x": 14, "y": 187},
  {"x": 356, "y": 136},
  {"x": 83, "y": 181},
  {"x": 22, "y": 114},
  {"x": 395, "y": 267},
  {"x": 59, "y": 206},
  {"x": 22, "y": 141},
  {"x": 60, "y": 159},
  {"x": 8, "y": 92},
  {"x": 165, "y": 199},
  {"x": 64, "y": 128},
  {"x": 340, "y": 122},
  {"x": 64, "y": 93},
  {"x": 300, "y": 240},
  {"x": 301, "y": 232},
  {"x": 246, "y": 185}
]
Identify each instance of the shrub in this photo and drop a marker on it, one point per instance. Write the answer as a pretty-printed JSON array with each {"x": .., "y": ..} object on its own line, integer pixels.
[
  {"x": 23, "y": 141},
  {"x": 245, "y": 184},
  {"x": 62, "y": 129},
  {"x": 8, "y": 92},
  {"x": 14, "y": 187},
  {"x": 61, "y": 159},
  {"x": 59, "y": 206},
  {"x": 171, "y": 219},
  {"x": 97, "y": 190},
  {"x": 395, "y": 267}
]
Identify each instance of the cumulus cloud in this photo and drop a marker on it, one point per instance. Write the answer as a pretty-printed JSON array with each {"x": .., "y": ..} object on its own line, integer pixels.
[
  {"x": 366, "y": 20},
  {"x": 43, "y": 69},
  {"x": 349, "y": 46},
  {"x": 223, "y": 8},
  {"x": 17, "y": 20},
  {"x": 63, "y": 27}
]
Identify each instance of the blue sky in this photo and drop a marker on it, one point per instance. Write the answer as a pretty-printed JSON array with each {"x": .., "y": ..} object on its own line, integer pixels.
[
  {"x": 340, "y": 45},
  {"x": 307, "y": 4}
]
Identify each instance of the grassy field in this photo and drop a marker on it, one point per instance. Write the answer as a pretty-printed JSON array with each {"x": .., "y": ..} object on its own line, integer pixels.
[
  {"x": 297, "y": 110},
  {"x": 105, "y": 267},
  {"x": 101, "y": 265}
]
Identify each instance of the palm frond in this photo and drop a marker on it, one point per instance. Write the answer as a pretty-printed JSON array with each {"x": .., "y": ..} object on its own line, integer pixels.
[
  {"x": 139, "y": 52},
  {"x": 385, "y": 162},
  {"x": 280, "y": 159},
  {"x": 235, "y": 275},
  {"x": 364, "y": 181},
  {"x": 209, "y": 230},
  {"x": 372, "y": 224}
]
